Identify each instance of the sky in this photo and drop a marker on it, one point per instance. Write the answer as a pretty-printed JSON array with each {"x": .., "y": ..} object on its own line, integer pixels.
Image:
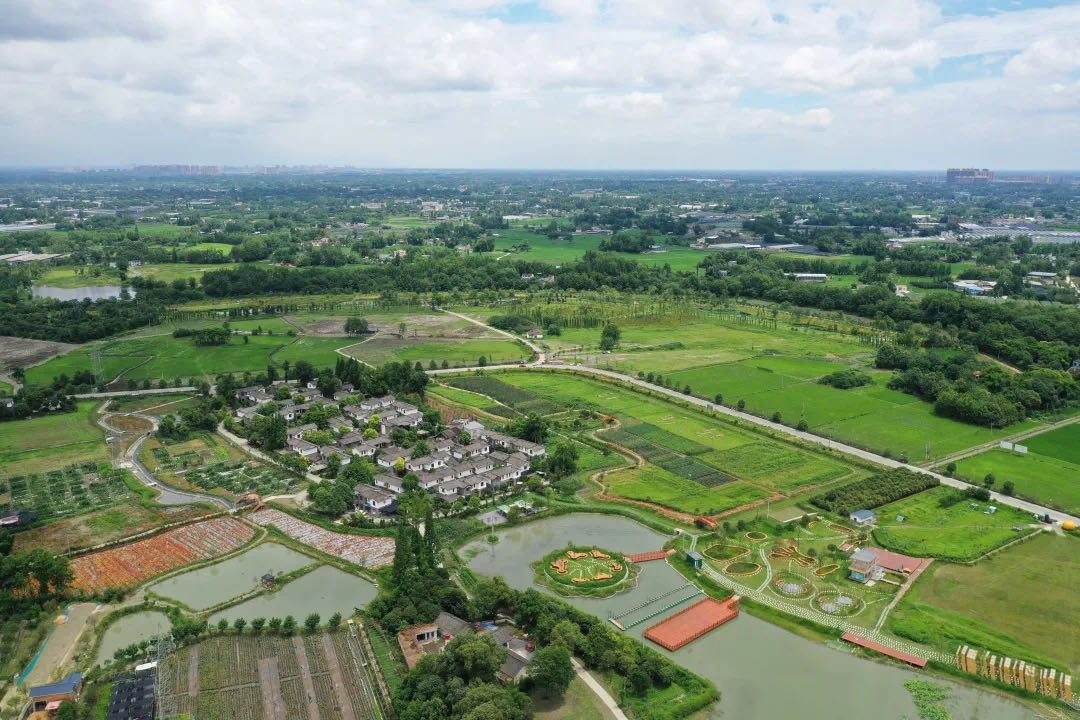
[{"x": 590, "y": 84}]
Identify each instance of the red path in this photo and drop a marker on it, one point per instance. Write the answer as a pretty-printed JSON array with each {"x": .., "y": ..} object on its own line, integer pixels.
[
  {"x": 688, "y": 625},
  {"x": 870, "y": 644},
  {"x": 645, "y": 557}
]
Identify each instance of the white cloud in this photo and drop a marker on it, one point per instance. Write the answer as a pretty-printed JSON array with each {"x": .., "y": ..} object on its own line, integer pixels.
[{"x": 619, "y": 82}]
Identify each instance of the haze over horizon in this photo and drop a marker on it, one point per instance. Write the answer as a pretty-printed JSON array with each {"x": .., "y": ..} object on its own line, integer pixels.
[{"x": 543, "y": 84}]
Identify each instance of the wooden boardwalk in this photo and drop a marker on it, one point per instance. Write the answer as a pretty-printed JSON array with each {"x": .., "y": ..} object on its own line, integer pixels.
[
  {"x": 646, "y": 557},
  {"x": 688, "y": 625}
]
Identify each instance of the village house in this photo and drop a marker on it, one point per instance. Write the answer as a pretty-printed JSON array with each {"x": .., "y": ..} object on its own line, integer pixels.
[{"x": 372, "y": 498}]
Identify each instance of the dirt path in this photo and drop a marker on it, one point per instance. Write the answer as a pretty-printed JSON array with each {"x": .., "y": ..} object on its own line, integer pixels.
[
  {"x": 305, "y": 676},
  {"x": 901, "y": 592},
  {"x": 270, "y": 687},
  {"x": 193, "y": 675},
  {"x": 60, "y": 646},
  {"x": 344, "y": 702}
]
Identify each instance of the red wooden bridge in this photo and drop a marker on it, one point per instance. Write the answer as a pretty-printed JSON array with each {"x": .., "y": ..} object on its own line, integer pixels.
[{"x": 646, "y": 557}]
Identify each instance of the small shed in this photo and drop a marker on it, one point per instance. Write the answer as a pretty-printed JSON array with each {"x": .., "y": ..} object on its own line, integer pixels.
[{"x": 695, "y": 559}]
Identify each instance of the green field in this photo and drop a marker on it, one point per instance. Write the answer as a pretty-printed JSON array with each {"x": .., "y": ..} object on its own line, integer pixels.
[
  {"x": 1022, "y": 602},
  {"x": 694, "y": 463},
  {"x": 1062, "y": 444},
  {"x": 223, "y": 248},
  {"x": 49, "y": 442},
  {"x": 962, "y": 531},
  {"x": 457, "y": 353},
  {"x": 1042, "y": 479},
  {"x": 544, "y": 249}
]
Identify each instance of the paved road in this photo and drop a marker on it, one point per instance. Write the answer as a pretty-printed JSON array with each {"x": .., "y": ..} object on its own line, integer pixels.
[{"x": 600, "y": 690}]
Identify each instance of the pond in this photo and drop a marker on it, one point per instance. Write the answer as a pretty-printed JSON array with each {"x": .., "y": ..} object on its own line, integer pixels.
[
  {"x": 214, "y": 584},
  {"x": 325, "y": 590},
  {"x": 131, "y": 629},
  {"x": 761, "y": 670},
  {"x": 87, "y": 292}
]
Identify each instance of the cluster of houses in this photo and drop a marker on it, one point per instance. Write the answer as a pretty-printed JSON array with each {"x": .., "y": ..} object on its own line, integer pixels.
[{"x": 464, "y": 460}]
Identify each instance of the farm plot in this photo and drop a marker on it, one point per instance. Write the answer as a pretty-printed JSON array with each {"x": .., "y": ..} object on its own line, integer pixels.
[
  {"x": 681, "y": 465},
  {"x": 240, "y": 478},
  {"x": 73, "y": 490},
  {"x": 470, "y": 399},
  {"x": 51, "y": 442},
  {"x": 1044, "y": 479},
  {"x": 130, "y": 565},
  {"x": 363, "y": 550},
  {"x": 520, "y": 400},
  {"x": 655, "y": 484},
  {"x": 456, "y": 353},
  {"x": 100, "y": 526},
  {"x": 942, "y": 523}
]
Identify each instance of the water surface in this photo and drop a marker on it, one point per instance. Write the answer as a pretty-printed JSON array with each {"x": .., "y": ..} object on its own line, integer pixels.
[
  {"x": 130, "y": 629},
  {"x": 214, "y": 584},
  {"x": 87, "y": 292},
  {"x": 761, "y": 670},
  {"x": 325, "y": 590}
]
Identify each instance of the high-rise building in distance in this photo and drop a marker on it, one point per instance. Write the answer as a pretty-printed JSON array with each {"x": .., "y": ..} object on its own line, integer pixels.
[{"x": 968, "y": 175}]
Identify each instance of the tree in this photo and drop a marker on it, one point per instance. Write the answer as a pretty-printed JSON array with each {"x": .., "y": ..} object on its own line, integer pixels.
[
  {"x": 719, "y": 399},
  {"x": 68, "y": 711},
  {"x": 327, "y": 501},
  {"x": 567, "y": 634},
  {"x": 482, "y": 361},
  {"x": 288, "y": 625},
  {"x": 334, "y": 622},
  {"x": 989, "y": 480},
  {"x": 239, "y": 623},
  {"x": 472, "y": 657},
  {"x": 222, "y": 625},
  {"x": 311, "y": 622},
  {"x": 257, "y": 624},
  {"x": 639, "y": 680},
  {"x": 562, "y": 462},
  {"x": 1008, "y": 488},
  {"x": 274, "y": 624},
  {"x": 551, "y": 669},
  {"x": 356, "y": 325},
  {"x": 609, "y": 337}
]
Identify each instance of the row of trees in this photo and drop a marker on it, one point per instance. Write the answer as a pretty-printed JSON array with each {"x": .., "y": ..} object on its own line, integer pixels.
[{"x": 874, "y": 491}]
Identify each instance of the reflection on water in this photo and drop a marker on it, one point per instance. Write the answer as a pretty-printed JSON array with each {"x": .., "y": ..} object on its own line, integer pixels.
[
  {"x": 91, "y": 292},
  {"x": 762, "y": 671}
]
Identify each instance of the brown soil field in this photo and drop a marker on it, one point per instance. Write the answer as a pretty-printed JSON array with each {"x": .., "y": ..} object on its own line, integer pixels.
[
  {"x": 21, "y": 352},
  {"x": 101, "y": 526}
]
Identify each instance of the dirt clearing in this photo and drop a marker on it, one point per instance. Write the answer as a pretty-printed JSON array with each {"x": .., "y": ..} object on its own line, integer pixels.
[{"x": 24, "y": 353}]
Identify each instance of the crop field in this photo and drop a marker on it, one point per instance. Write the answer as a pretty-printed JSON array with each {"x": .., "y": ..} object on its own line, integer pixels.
[
  {"x": 264, "y": 677},
  {"x": 51, "y": 442},
  {"x": 202, "y": 449},
  {"x": 1022, "y": 602},
  {"x": 130, "y": 565},
  {"x": 544, "y": 249},
  {"x": 160, "y": 404},
  {"x": 963, "y": 530},
  {"x": 366, "y": 551},
  {"x": 694, "y": 463},
  {"x": 1040, "y": 478},
  {"x": 244, "y": 477},
  {"x": 469, "y": 399},
  {"x": 99, "y": 526},
  {"x": 223, "y": 248},
  {"x": 457, "y": 353},
  {"x": 1061, "y": 444},
  {"x": 75, "y": 489},
  {"x": 657, "y": 485},
  {"x": 520, "y": 400}
]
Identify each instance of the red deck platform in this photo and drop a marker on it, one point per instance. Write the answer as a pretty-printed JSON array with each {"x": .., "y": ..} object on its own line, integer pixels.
[
  {"x": 645, "y": 557},
  {"x": 688, "y": 625},
  {"x": 871, "y": 645}
]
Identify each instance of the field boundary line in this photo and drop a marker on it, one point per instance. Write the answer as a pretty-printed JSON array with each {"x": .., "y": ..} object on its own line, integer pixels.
[{"x": 979, "y": 449}]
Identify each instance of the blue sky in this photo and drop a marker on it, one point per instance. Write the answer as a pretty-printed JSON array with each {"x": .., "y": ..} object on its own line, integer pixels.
[{"x": 845, "y": 84}]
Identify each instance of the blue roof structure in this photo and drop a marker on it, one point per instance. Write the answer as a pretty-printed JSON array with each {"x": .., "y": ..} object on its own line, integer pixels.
[
  {"x": 862, "y": 515},
  {"x": 68, "y": 685}
]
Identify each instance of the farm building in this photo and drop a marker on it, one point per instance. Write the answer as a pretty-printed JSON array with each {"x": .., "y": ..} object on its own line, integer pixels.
[
  {"x": 863, "y": 517},
  {"x": 864, "y": 565},
  {"x": 48, "y": 698}
]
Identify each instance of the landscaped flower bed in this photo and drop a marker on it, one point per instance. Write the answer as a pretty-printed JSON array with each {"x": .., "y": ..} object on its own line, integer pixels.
[
  {"x": 837, "y": 603},
  {"x": 826, "y": 570},
  {"x": 585, "y": 570},
  {"x": 742, "y": 569},
  {"x": 130, "y": 565},
  {"x": 363, "y": 550},
  {"x": 756, "y": 536}
]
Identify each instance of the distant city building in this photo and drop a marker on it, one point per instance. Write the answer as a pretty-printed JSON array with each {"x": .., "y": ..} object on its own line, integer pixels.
[{"x": 955, "y": 176}]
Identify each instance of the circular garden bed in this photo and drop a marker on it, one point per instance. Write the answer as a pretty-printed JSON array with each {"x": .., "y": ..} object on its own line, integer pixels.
[
  {"x": 791, "y": 585},
  {"x": 837, "y": 603},
  {"x": 756, "y": 536},
  {"x": 742, "y": 569},
  {"x": 585, "y": 570},
  {"x": 723, "y": 551}
]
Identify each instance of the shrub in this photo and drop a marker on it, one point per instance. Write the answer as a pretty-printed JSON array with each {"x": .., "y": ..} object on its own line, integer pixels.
[{"x": 874, "y": 491}]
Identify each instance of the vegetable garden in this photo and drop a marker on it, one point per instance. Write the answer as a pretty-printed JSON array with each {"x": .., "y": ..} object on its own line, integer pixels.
[
  {"x": 74, "y": 489},
  {"x": 244, "y": 477}
]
